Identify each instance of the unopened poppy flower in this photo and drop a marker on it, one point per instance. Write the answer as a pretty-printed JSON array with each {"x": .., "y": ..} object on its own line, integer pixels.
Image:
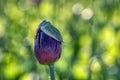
[{"x": 47, "y": 43}]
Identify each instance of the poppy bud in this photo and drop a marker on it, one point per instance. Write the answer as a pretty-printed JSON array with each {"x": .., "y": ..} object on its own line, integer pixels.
[{"x": 47, "y": 43}]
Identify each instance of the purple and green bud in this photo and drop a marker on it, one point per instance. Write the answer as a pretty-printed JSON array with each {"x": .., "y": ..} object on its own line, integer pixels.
[{"x": 47, "y": 43}]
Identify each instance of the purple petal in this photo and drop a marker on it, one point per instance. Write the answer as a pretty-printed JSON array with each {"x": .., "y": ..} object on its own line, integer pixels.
[{"x": 47, "y": 49}]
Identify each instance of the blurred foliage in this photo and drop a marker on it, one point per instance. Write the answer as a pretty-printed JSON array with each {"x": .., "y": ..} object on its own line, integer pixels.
[{"x": 91, "y": 32}]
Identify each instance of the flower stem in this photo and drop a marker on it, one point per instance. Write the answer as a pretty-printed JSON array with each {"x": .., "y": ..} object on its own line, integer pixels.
[{"x": 52, "y": 74}]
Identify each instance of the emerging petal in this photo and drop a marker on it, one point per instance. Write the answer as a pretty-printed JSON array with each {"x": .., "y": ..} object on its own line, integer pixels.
[{"x": 47, "y": 49}]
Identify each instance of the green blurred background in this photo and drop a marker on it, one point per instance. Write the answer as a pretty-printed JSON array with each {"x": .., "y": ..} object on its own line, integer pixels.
[{"x": 91, "y": 33}]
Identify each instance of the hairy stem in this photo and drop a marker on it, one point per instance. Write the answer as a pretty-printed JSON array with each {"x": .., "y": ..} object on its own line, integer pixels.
[{"x": 52, "y": 72}]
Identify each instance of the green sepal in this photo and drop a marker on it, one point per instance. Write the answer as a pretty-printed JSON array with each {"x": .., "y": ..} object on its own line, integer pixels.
[{"x": 50, "y": 30}]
